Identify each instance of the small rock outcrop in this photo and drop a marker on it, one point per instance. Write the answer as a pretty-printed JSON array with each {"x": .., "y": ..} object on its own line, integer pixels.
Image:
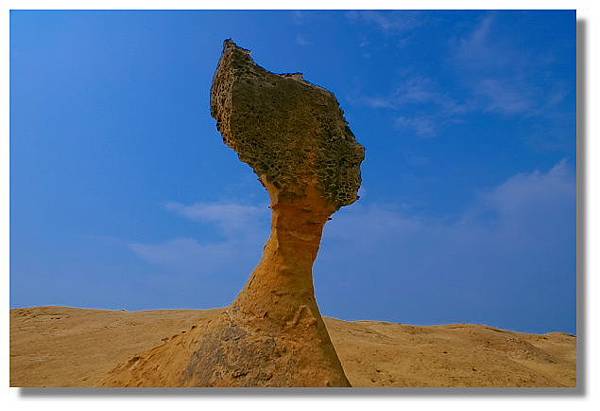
[{"x": 295, "y": 137}]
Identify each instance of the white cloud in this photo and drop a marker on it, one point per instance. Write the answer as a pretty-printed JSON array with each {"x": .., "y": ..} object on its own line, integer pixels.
[
  {"x": 501, "y": 74},
  {"x": 377, "y": 102},
  {"x": 511, "y": 249},
  {"x": 388, "y": 21},
  {"x": 503, "y": 97},
  {"x": 522, "y": 196},
  {"x": 244, "y": 230},
  {"x": 228, "y": 216},
  {"x": 396, "y": 26},
  {"x": 184, "y": 255},
  {"x": 434, "y": 108},
  {"x": 518, "y": 201},
  {"x": 493, "y": 75},
  {"x": 417, "y": 90},
  {"x": 475, "y": 49},
  {"x": 302, "y": 41},
  {"x": 422, "y": 126},
  {"x": 298, "y": 17}
]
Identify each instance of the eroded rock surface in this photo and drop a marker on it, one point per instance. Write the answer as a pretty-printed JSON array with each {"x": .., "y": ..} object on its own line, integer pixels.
[
  {"x": 292, "y": 133},
  {"x": 294, "y": 136}
]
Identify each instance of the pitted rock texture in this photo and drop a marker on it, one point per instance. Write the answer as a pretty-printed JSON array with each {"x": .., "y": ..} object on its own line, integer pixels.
[
  {"x": 291, "y": 132},
  {"x": 294, "y": 135}
]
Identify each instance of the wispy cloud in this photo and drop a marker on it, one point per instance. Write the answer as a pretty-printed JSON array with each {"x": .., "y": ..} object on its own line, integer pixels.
[
  {"x": 392, "y": 26},
  {"x": 228, "y": 216},
  {"x": 388, "y": 21},
  {"x": 302, "y": 41},
  {"x": 525, "y": 194},
  {"x": 508, "y": 250},
  {"x": 500, "y": 74},
  {"x": 423, "y": 90},
  {"x": 505, "y": 252},
  {"x": 422, "y": 126},
  {"x": 433, "y": 108},
  {"x": 474, "y": 49},
  {"x": 244, "y": 229},
  {"x": 298, "y": 17},
  {"x": 185, "y": 255},
  {"x": 522, "y": 200},
  {"x": 504, "y": 98},
  {"x": 492, "y": 75}
]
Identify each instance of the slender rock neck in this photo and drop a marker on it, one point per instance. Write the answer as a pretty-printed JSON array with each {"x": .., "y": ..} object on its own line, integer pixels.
[{"x": 282, "y": 282}]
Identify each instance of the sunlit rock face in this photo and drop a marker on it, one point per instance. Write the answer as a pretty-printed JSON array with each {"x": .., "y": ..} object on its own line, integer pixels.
[
  {"x": 294, "y": 136},
  {"x": 291, "y": 132}
]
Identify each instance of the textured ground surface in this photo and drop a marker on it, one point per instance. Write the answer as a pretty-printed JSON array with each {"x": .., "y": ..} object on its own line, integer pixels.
[{"x": 58, "y": 346}]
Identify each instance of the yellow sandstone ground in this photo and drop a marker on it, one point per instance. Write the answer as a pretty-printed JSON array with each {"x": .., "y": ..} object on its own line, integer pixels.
[{"x": 71, "y": 347}]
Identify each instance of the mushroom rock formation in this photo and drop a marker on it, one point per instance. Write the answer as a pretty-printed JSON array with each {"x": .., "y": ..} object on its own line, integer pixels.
[{"x": 294, "y": 136}]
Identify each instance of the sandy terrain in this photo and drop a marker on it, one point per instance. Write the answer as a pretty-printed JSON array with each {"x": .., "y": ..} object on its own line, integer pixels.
[{"x": 69, "y": 347}]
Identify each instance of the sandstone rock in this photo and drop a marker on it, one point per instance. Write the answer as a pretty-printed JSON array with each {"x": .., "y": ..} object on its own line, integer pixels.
[
  {"x": 294, "y": 136},
  {"x": 291, "y": 132}
]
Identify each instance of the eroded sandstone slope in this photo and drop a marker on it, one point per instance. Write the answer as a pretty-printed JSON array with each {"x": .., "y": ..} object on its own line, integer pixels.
[{"x": 70, "y": 347}]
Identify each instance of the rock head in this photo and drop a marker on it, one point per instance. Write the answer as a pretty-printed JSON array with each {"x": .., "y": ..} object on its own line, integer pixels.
[
  {"x": 295, "y": 137},
  {"x": 292, "y": 133}
]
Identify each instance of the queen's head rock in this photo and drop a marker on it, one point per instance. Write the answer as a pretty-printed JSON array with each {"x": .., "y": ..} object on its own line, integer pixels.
[
  {"x": 294, "y": 136},
  {"x": 291, "y": 132}
]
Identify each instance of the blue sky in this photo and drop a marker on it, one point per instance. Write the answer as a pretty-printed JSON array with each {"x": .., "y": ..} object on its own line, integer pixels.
[{"x": 124, "y": 196}]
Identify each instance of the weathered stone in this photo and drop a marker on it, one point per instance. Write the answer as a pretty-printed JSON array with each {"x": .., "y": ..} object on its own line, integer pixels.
[
  {"x": 291, "y": 132},
  {"x": 294, "y": 136}
]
